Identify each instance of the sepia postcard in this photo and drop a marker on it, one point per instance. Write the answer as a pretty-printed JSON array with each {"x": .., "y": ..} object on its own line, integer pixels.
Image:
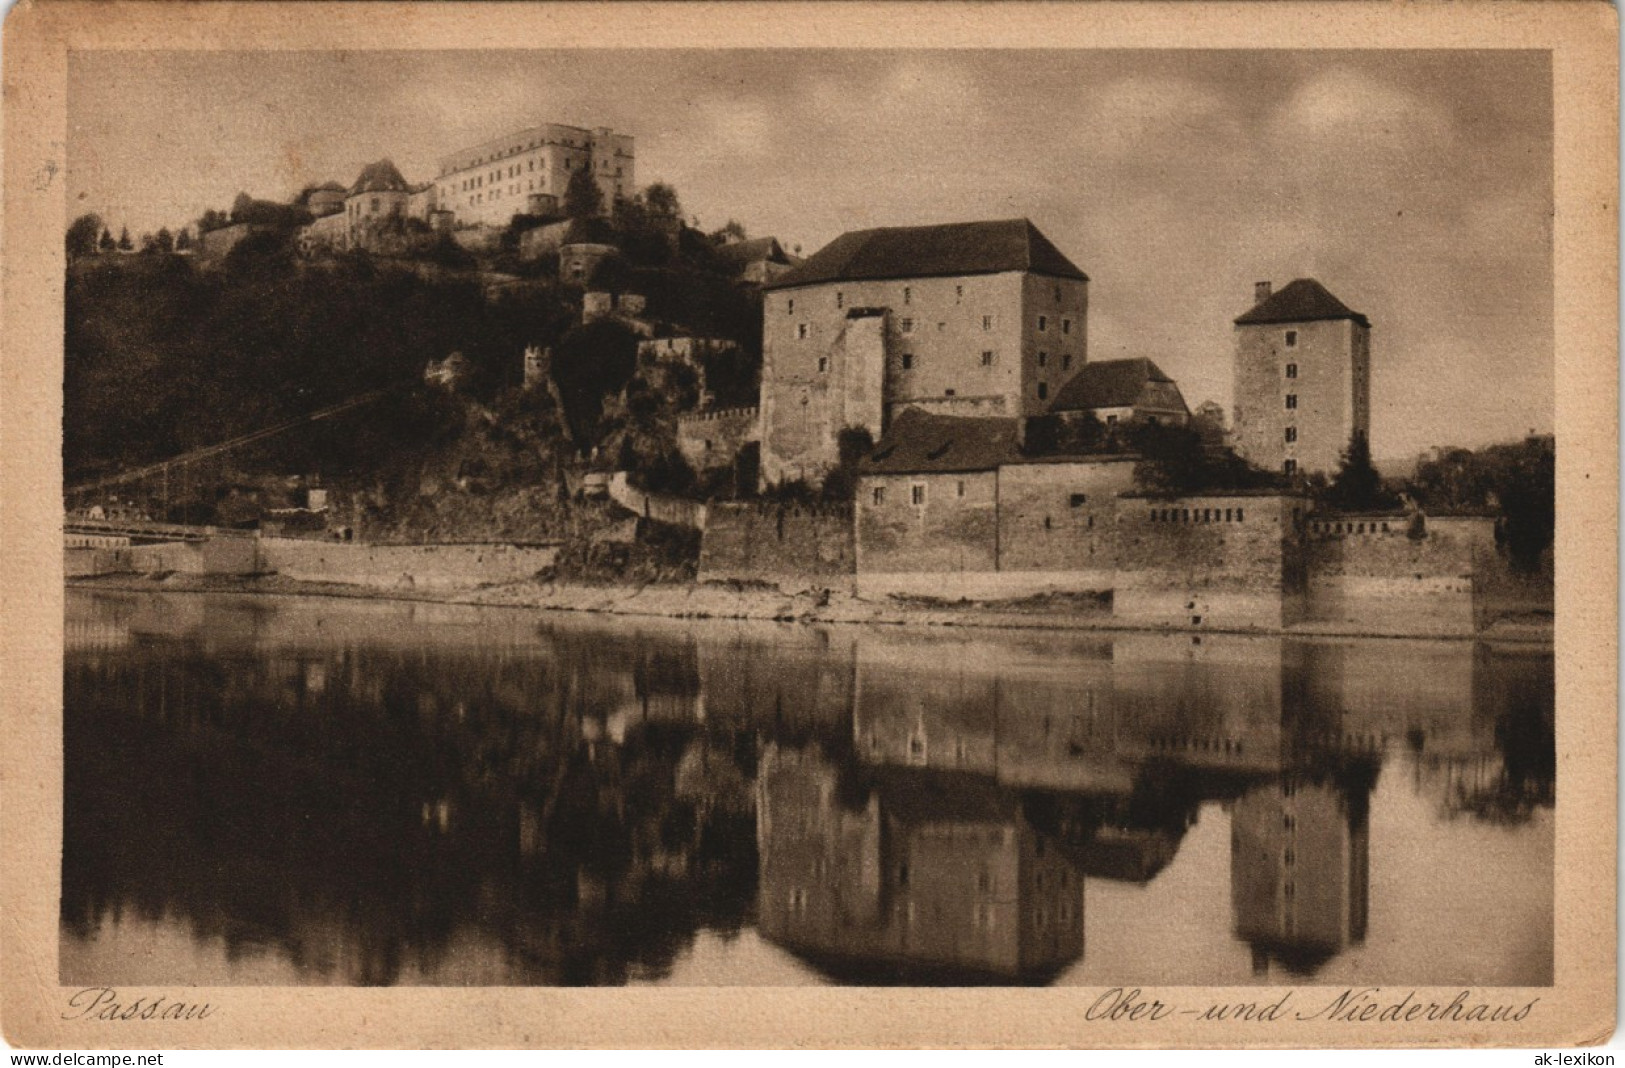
[{"x": 827, "y": 524}]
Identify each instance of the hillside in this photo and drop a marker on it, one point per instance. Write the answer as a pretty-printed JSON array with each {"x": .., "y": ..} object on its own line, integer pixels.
[{"x": 165, "y": 355}]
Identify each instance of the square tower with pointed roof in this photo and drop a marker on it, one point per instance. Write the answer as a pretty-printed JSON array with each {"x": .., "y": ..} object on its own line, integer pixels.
[
  {"x": 1302, "y": 378},
  {"x": 976, "y": 318}
]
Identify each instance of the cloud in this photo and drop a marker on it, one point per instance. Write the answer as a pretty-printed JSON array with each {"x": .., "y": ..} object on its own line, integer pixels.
[
  {"x": 1358, "y": 113},
  {"x": 1132, "y": 115},
  {"x": 737, "y": 128}
]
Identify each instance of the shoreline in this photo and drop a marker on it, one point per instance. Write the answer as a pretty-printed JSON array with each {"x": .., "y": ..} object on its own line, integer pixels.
[{"x": 764, "y": 603}]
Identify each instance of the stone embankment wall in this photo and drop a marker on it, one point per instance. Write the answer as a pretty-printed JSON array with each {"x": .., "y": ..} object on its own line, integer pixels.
[
  {"x": 394, "y": 567},
  {"x": 404, "y": 566},
  {"x": 784, "y": 545},
  {"x": 677, "y": 511},
  {"x": 1359, "y": 572},
  {"x": 1210, "y": 561}
]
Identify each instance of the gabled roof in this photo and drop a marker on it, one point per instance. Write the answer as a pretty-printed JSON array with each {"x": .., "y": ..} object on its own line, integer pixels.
[
  {"x": 753, "y": 250},
  {"x": 932, "y": 252},
  {"x": 1107, "y": 384},
  {"x": 1303, "y": 300},
  {"x": 920, "y": 442},
  {"x": 380, "y": 177}
]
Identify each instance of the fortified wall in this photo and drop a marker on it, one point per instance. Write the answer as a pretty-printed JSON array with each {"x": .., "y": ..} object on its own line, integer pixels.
[
  {"x": 1365, "y": 567},
  {"x": 1022, "y": 530},
  {"x": 1229, "y": 561},
  {"x": 711, "y": 440},
  {"x": 789, "y": 546}
]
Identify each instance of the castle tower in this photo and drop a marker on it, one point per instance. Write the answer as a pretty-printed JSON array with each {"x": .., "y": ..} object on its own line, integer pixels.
[
  {"x": 985, "y": 319},
  {"x": 1302, "y": 378}
]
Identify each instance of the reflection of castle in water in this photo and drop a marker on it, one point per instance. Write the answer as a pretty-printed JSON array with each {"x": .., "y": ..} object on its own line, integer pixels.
[
  {"x": 1300, "y": 871},
  {"x": 925, "y": 806},
  {"x": 916, "y": 870}
]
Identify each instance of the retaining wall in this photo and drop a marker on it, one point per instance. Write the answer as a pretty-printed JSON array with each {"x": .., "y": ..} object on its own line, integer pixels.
[
  {"x": 787, "y": 546},
  {"x": 403, "y": 566}
]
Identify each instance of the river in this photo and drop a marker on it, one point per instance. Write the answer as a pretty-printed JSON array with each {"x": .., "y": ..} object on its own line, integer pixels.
[{"x": 285, "y": 791}]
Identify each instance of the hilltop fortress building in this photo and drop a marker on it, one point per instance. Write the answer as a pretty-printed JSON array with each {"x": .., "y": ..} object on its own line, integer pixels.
[
  {"x": 1302, "y": 379},
  {"x": 526, "y": 173},
  {"x": 973, "y": 319}
]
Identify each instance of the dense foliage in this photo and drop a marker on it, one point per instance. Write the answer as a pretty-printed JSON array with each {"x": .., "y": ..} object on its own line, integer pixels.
[{"x": 1517, "y": 481}]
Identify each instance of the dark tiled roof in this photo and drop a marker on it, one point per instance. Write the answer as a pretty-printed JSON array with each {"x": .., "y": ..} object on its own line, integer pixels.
[
  {"x": 1107, "y": 384},
  {"x": 1301, "y": 301},
  {"x": 753, "y": 250},
  {"x": 920, "y": 442},
  {"x": 380, "y": 177},
  {"x": 933, "y": 251}
]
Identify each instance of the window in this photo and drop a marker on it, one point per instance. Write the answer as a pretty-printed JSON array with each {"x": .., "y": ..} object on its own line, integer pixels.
[
  {"x": 959, "y": 294},
  {"x": 823, "y": 364},
  {"x": 1043, "y": 323},
  {"x": 840, "y": 299},
  {"x": 908, "y": 360},
  {"x": 375, "y": 205},
  {"x": 1238, "y": 510},
  {"x": 916, "y": 494},
  {"x": 949, "y": 392},
  {"x": 987, "y": 322},
  {"x": 1066, "y": 326},
  {"x": 1057, "y": 294},
  {"x": 1043, "y": 359},
  {"x": 801, "y": 331},
  {"x": 1291, "y": 434},
  {"x": 798, "y": 900},
  {"x": 961, "y": 487},
  {"x": 908, "y": 295},
  {"x": 987, "y": 357},
  {"x": 1111, "y": 420},
  {"x": 1291, "y": 401},
  {"x": 1291, "y": 339},
  {"x": 906, "y": 326},
  {"x": 1292, "y": 370},
  {"x": 1078, "y": 500},
  {"x": 791, "y": 306},
  {"x": 879, "y": 495},
  {"x": 1043, "y": 390},
  {"x": 1066, "y": 361}
]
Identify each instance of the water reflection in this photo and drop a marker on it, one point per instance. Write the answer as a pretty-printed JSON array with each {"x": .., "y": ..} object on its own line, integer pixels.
[{"x": 294, "y": 791}]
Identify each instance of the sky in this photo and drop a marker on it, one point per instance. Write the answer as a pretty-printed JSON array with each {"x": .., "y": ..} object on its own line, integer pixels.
[{"x": 1415, "y": 185}]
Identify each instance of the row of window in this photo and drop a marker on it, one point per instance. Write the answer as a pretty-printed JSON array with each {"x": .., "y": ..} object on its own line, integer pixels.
[
  {"x": 1198, "y": 515},
  {"x": 516, "y": 149},
  {"x": 906, "y": 325},
  {"x": 478, "y": 181},
  {"x": 1372, "y": 527}
]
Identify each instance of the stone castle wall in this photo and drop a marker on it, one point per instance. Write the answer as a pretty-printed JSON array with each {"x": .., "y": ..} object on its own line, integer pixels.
[
  {"x": 1210, "y": 561},
  {"x": 793, "y": 547},
  {"x": 711, "y": 440}
]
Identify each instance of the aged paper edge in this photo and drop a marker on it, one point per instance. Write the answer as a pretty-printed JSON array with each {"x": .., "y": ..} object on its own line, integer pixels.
[{"x": 1578, "y": 1009}]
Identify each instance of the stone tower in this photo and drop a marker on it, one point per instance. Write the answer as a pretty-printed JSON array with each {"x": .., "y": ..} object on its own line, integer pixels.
[{"x": 1302, "y": 378}]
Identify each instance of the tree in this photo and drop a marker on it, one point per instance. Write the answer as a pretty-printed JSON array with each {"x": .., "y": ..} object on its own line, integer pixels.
[
  {"x": 661, "y": 200},
  {"x": 212, "y": 220},
  {"x": 582, "y": 197},
  {"x": 81, "y": 239},
  {"x": 164, "y": 240},
  {"x": 1357, "y": 486},
  {"x": 852, "y": 444},
  {"x": 183, "y": 240},
  {"x": 106, "y": 244},
  {"x": 733, "y": 231},
  {"x": 124, "y": 242}
]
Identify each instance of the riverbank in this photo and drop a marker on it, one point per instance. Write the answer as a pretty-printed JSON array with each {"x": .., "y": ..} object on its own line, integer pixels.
[{"x": 733, "y": 600}]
